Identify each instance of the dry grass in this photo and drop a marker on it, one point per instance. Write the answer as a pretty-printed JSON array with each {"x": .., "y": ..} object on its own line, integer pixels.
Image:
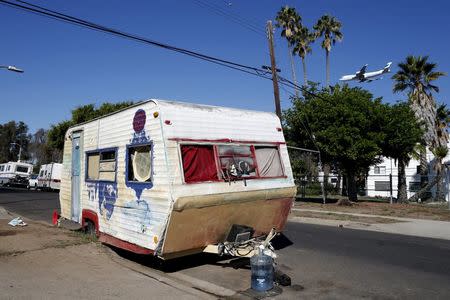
[
  {"x": 343, "y": 217},
  {"x": 416, "y": 211}
]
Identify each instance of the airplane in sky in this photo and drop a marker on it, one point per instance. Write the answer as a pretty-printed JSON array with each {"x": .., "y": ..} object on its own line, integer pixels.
[{"x": 362, "y": 76}]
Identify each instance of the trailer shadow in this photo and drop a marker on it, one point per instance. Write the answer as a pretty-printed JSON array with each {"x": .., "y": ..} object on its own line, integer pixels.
[{"x": 196, "y": 260}]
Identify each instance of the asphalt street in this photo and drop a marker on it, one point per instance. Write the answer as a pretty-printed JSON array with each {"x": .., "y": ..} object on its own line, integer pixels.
[
  {"x": 36, "y": 205},
  {"x": 326, "y": 262}
]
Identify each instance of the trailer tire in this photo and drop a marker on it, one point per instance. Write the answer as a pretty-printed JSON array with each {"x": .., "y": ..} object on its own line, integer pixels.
[{"x": 89, "y": 228}]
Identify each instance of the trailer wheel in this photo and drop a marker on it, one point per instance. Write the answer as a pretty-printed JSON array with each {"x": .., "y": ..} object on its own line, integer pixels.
[{"x": 89, "y": 228}]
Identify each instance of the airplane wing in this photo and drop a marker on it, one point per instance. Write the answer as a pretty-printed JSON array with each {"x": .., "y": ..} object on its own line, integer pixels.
[{"x": 360, "y": 73}]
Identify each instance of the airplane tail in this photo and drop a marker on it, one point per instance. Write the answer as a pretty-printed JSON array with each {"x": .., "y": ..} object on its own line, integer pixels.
[{"x": 387, "y": 68}]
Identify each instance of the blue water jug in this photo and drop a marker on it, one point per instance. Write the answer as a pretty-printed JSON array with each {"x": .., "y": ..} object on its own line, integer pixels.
[{"x": 262, "y": 272}]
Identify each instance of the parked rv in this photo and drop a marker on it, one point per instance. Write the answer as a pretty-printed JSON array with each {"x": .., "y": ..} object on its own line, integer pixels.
[
  {"x": 170, "y": 178},
  {"x": 15, "y": 173},
  {"x": 50, "y": 176}
]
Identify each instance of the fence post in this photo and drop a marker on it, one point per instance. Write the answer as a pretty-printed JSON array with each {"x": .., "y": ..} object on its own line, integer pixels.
[{"x": 390, "y": 187}]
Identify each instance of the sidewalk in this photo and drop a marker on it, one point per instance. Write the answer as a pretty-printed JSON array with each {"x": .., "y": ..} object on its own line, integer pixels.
[
  {"x": 405, "y": 226},
  {"x": 40, "y": 261}
]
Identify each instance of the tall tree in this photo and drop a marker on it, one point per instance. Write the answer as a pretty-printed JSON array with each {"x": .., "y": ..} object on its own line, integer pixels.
[
  {"x": 290, "y": 22},
  {"x": 13, "y": 139},
  {"x": 84, "y": 113},
  {"x": 347, "y": 127},
  {"x": 442, "y": 124},
  {"x": 302, "y": 46},
  {"x": 416, "y": 76},
  {"x": 329, "y": 28},
  {"x": 403, "y": 133}
]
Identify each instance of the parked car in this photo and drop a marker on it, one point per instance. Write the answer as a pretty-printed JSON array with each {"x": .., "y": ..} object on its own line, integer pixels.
[{"x": 33, "y": 181}]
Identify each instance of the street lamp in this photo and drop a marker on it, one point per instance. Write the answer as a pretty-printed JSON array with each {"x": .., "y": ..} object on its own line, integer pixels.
[
  {"x": 20, "y": 150},
  {"x": 12, "y": 68}
]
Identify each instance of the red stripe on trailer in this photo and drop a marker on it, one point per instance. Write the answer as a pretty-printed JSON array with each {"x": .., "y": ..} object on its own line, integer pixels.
[
  {"x": 110, "y": 240},
  {"x": 88, "y": 214}
]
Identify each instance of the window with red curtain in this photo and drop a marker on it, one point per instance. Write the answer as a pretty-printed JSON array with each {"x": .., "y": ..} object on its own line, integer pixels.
[{"x": 199, "y": 163}]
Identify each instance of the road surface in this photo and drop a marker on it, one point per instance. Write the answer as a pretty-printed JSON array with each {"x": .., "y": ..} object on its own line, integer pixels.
[{"x": 328, "y": 262}]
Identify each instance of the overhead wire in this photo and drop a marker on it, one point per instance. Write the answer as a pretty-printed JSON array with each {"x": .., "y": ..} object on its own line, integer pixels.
[
  {"x": 230, "y": 16},
  {"x": 42, "y": 11}
]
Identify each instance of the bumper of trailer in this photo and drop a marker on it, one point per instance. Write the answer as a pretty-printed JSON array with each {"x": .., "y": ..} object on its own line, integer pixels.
[{"x": 197, "y": 222}]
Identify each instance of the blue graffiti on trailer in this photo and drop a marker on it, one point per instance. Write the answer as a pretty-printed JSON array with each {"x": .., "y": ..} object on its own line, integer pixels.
[
  {"x": 105, "y": 193},
  {"x": 107, "y": 196},
  {"x": 138, "y": 208}
]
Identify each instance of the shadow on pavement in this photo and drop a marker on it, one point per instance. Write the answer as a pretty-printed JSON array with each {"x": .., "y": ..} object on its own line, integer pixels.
[{"x": 196, "y": 260}]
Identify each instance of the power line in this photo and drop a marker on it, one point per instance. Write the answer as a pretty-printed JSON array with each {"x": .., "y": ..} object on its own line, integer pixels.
[
  {"x": 42, "y": 11},
  {"x": 80, "y": 22},
  {"x": 230, "y": 16}
]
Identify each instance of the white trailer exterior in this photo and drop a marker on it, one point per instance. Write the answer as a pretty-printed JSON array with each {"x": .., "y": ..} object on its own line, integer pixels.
[
  {"x": 12, "y": 169},
  {"x": 49, "y": 176},
  {"x": 169, "y": 178}
]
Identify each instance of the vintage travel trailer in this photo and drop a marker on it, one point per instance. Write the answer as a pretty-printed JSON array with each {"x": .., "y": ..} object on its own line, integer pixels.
[
  {"x": 15, "y": 173},
  {"x": 49, "y": 176},
  {"x": 170, "y": 178}
]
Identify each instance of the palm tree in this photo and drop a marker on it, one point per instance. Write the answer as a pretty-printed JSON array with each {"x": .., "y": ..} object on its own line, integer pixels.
[
  {"x": 290, "y": 22},
  {"x": 415, "y": 76},
  {"x": 302, "y": 41},
  {"x": 330, "y": 28},
  {"x": 442, "y": 124}
]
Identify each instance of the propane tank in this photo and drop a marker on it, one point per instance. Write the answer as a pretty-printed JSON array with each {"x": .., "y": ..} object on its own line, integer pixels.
[{"x": 262, "y": 271}]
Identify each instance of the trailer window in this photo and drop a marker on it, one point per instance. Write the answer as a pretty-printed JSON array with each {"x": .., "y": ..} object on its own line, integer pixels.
[
  {"x": 107, "y": 166},
  {"x": 93, "y": 160},
  {"x": 199, "y": 163},
  {"x": 2, "y": 168},
  {"x": 236, "y": 161},
  {"x": 139, "y": 163},
  {"x": 22, "y": 169},
  {"x": 41, "y": 173},
  {"x": 101, "y": 165},
  {"x": 269, "y": 162}
]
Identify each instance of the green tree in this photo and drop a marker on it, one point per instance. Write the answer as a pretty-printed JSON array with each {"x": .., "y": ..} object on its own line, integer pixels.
[
  {"x": 81, "y": 114},
  {"x": 38, "y": 148},
  {"x": 403, "y": 132},
  {"x": 290, "y": 22},
  {"x": 416, "y": 76},
  {"x": 346, "y": 124},
  {"x": 13, "y": 132},
  {"x": 329, "y": 28}
]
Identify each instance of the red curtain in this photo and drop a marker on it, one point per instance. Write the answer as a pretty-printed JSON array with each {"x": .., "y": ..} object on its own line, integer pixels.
[{"x": 198, "y": 163}]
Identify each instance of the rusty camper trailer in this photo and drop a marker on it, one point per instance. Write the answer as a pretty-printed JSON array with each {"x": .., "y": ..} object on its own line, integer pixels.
[{"x": 170, "y": 178}]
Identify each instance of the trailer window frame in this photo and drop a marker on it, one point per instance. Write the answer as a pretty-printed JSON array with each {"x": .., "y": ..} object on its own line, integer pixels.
[
  {"x": 216, "y": 144},
  {"x": 99, "y": 152},
  {"x": 149, "y": 182}
]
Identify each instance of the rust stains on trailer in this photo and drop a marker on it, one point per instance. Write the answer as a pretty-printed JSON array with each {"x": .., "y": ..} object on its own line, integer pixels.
[{"x": 195, "y": 228}]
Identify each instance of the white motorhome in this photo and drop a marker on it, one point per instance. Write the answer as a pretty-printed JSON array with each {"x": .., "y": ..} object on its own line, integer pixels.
[
  {"x": 15, "y": 173},
  {"x": 49, "y": 176},
  {"x": 170, "y": 178}
]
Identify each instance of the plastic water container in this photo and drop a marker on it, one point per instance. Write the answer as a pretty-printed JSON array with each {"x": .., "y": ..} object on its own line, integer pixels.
[{"x": 262, "y": 272}]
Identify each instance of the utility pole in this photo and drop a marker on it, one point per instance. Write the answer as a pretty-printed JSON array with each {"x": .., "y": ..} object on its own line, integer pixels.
[{"x": 276, "y": 90}]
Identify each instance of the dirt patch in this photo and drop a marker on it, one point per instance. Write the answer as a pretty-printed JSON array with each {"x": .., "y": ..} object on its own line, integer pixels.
[
  {"x": 415, "y": 211},
  {"x": 35, "y": 236},
  {"x": 7, "y": 232},
  {"x": 343, "y": 217}
]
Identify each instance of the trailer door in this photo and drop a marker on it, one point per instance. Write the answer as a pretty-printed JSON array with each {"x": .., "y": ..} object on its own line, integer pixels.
[{"x": 76, "y": 162}]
